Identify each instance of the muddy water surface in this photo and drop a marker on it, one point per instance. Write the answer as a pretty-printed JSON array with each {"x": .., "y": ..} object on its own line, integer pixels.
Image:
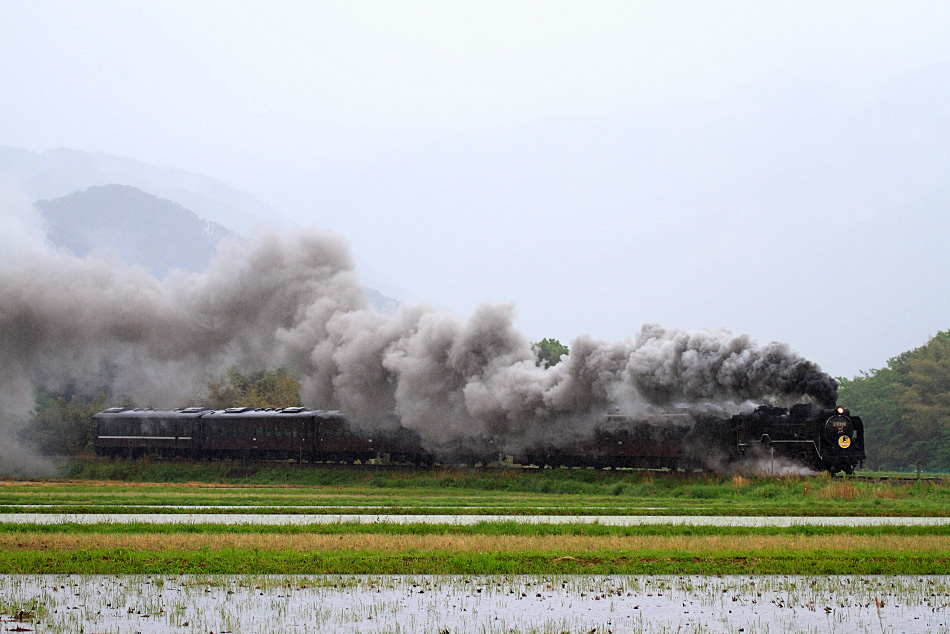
[
  {"x": 370, "y": 518},
  {"x": 484, "y": 604}
]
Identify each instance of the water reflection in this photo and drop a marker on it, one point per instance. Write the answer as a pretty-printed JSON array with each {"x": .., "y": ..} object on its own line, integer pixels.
[{"x": 489, "y": 604}]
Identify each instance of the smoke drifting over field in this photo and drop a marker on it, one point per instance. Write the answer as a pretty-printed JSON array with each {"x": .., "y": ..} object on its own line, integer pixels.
[{"x": 293, "y": 300}]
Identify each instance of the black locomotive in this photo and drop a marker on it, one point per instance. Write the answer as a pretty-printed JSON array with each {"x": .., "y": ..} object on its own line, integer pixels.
[
  {"x": 825, "y": 439},
  {"x": 821, "y": 439}
]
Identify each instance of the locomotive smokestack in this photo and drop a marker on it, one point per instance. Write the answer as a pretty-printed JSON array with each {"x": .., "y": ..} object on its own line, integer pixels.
[{"x": 294, "y": 301}]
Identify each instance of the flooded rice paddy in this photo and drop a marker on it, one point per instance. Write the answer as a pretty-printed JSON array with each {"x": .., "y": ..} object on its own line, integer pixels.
[
  {"x": 371, "y": 518},
  {"x": 483, "y": 604}
]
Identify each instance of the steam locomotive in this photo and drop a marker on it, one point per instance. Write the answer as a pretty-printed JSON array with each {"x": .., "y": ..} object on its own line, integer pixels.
[{"x": 829, "y": 439}]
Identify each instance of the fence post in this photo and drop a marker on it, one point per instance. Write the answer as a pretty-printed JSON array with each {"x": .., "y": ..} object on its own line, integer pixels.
[{"x": 918, "y": 468}]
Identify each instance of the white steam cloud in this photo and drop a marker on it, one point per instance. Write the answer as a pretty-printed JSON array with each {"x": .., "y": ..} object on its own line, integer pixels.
[{"x": 292, "y": 300}]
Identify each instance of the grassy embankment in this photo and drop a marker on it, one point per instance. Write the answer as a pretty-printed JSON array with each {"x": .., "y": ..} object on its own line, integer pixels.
[
  {"x": 488, "y": 548},
  {"x": 491, "y": 548},
  {"x": 123, "y": 486}
]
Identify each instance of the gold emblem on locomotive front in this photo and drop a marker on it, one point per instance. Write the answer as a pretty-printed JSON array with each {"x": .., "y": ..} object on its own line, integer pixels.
[{"x": 844, "y": 442}]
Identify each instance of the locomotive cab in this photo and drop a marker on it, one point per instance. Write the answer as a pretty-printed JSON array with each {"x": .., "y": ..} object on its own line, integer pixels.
[{"x": 780, "y": 431}]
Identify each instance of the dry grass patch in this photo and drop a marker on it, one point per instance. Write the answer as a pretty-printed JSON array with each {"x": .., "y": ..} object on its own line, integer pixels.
[{"x": 838, "y": 491}]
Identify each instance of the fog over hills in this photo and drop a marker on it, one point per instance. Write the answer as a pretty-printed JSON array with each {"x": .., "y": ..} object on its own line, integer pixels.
[
  {"x": 56, "y": 173},
  {"x": 135, "y": 228},
  {"x": 139, "y": 213}
]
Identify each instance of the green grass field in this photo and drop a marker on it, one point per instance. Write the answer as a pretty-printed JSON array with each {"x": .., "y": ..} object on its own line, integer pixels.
[
  {"x": 489, "y": 548},
  {"x": 484, "y": 548},
  {"x": 146, "y": 486}
]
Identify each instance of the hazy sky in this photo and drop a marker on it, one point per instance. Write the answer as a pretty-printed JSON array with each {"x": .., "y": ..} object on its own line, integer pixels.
[{"x": 772, "y": 168}]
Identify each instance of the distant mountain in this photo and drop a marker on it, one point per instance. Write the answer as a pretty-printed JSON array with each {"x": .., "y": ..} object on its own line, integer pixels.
[
  {"x": 141, "y": 214},
  {"x": 380, "y": 302},
  {"x": 137, "y": 228},
  {"x": 59, "y": 172},
  {"x": 134, "y": 226}
]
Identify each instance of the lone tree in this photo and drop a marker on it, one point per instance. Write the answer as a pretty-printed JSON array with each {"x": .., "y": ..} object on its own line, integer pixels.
[{"x": 548, "y": 352}]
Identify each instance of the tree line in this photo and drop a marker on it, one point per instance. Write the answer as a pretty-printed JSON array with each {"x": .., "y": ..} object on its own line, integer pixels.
[{"x": 905, "y": 407}]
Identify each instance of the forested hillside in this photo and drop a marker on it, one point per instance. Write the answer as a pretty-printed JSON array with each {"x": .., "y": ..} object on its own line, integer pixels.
[
  {"x": 906, "y": 407},
  {"x": 133, "y": 226}
]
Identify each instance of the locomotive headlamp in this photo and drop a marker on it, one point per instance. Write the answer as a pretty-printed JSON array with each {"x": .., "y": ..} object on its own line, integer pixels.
[{"x": 840, "y": 410}]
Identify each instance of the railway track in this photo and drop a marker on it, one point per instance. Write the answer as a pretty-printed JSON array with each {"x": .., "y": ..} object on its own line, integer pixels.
[
  {"x": 908, "y": 478},
  {"x": 248, "y": 468}
]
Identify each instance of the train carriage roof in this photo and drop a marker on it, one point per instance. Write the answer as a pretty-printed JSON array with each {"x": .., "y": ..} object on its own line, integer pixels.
[
  {"x": 231, "y": 412},
  {"x": 128, "y": 412},
  {"x": 284, "y": 413}
]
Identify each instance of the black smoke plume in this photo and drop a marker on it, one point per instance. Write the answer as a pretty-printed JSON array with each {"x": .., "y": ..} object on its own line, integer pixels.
[{"x": 292, "y": 300}]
